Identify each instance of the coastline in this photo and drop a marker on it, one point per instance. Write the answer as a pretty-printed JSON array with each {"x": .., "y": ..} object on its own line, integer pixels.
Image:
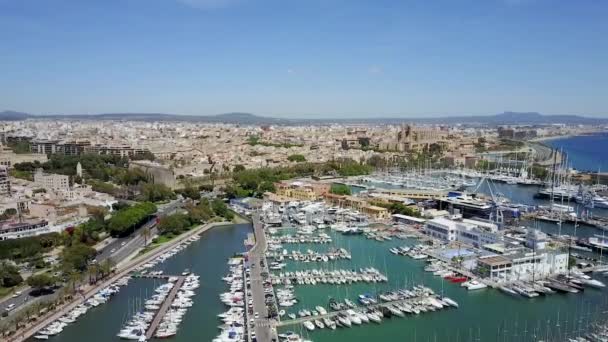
[
  {"x": 566, "y": 136},
  {"x": 554, "y": 137}
]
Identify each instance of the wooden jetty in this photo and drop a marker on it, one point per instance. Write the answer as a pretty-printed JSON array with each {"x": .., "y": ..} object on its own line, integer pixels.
[{"x": 165, "y": 307}]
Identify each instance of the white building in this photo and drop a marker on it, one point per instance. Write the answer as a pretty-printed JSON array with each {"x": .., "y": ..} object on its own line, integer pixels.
[
  {"x": 51, "y": 181},
  {"x": 524, "y": 264},
  {"x": 17, "y": 230},
  {"x": 473, "y": 232},
  {"x": 442, "y": 228}
]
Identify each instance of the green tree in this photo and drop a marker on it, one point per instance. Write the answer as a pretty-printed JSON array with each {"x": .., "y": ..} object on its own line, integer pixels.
[
  {"x": 340, "y": 189},
  {"x": 29, "y": 247},
  {"x": 106, "y": 267},
  {"x": 298, "y": 158},
  {"x": 76, "y": 257},
  {"x": 155, "y": 193},
  {"x": 400, "y": 208},
  {"x": 9, "y": 275},
  {"x": 174, "y": 224},
  {"x": 539, "y": 172},
  {"x": 39, "y": 281},
  {"x": 146, "y": 233},
  {"x": 191, "y": 192},
  {"x": 74, "y": 277},
  {"x": 201, "y": 212},
  {"x": 93, "y": 273},
  {"x": 238, "y": 168},
  {"x": 266, "y": 186},
  {"x": 221, "y": 209},
  {"x": 205, "y": 187},
  {"x": 377, "y": 161},
  {"x": 147, "y": 155},
  {"x": 125, "y": 221},
  {"x": 8, "y": 213},
  {"x": 20, "y": 147}
]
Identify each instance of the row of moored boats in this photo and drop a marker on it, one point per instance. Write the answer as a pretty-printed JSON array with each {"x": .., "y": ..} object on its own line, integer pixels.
[{"x": 97, "y": 299}]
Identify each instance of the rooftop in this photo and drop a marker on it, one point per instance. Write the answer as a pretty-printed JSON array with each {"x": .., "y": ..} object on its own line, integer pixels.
[
  {"x": 7, "y": 225},
  {"x": 495, "y": 260}
]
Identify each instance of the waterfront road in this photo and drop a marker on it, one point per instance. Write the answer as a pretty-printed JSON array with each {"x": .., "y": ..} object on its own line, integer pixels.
[
  {"x": 121, "y": 272},
  {"x": 264, "y": 326},
  {"x": 118, "y": 249}
]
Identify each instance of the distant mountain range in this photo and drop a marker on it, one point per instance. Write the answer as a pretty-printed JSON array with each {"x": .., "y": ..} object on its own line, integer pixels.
[{"x": 506, "y": 118}]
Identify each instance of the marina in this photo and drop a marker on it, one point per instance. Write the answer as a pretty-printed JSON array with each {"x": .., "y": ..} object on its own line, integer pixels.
[
  {"x": 407, "y": 270},
  {"x": 374, "y": 309},
  {"x": 313, "y": 322},
  {"x": 308, "y": 273}
]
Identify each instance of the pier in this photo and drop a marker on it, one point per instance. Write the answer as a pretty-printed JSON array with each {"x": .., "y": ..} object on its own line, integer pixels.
[
  {"x": 331, "y": 314},
  {"x": 151, "y": 276},
  {"x": 165, "y": 307},
  {"x": 596, "y": 221},
  {"x": 264, "y": 326}
]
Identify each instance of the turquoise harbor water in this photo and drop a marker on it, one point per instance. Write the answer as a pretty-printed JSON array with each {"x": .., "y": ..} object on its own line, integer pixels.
[
  {"x": 206, "y": 257},
  {"x": 484, "y": 315}
]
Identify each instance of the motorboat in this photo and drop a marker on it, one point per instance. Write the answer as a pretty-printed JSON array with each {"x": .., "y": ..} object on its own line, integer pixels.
[{"x": 472, "y": 285}]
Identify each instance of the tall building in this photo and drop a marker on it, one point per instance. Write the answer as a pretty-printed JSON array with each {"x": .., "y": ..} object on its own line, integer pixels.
[
  {"x": 69, "y": 148},
  {"x": 116, "y": 150},
  {"x": 5, "y": 184}
]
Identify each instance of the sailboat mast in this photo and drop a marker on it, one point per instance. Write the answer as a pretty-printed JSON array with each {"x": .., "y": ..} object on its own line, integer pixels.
[{"x": 553, "y": 176}]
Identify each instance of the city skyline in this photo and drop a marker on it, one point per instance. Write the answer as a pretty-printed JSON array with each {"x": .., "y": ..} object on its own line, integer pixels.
[{"x": 304, "y": 60}]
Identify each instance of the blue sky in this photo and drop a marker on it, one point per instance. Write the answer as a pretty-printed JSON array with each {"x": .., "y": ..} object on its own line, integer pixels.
[{"x": 304, "y": 58}]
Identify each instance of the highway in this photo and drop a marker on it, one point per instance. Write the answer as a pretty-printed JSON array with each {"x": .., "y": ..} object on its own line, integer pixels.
[{"x": 119, "y": 249}]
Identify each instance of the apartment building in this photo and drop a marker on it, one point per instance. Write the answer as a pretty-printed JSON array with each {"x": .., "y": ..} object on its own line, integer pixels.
[
  {"x": 51, "y": 181},
  {"x": 296, "y": 190},
  {"x": 5, "y": 183}
]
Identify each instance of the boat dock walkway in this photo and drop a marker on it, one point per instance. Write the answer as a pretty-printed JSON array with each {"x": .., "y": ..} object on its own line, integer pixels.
[
  {"x": 165, "y": 307},
  {"x": 448, "y": 265},
  {"x": 151, "y": 276},
  {"x": 335, "y": 313}
]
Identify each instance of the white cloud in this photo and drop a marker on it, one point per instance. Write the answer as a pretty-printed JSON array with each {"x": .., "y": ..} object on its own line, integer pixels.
[
  {"x": 208, "y": 4},
  {"x": 290, "y": 71}
]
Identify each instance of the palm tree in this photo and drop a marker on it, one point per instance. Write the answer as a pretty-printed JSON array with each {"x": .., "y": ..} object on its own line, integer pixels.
[
  {"x": 106, "y": 267},
  {"x": 73, "y": 278},
  {"x": 93, "y": 272},
  {"x": 146, "y": 234}
]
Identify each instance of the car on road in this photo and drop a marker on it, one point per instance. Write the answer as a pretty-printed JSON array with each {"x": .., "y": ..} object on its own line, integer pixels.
[
  {"x": 113, "y": 250},
  {"x": 10, "y": 307},
  {"x": 123, "y": 243},
  {"x": 255, "y": 315}
]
